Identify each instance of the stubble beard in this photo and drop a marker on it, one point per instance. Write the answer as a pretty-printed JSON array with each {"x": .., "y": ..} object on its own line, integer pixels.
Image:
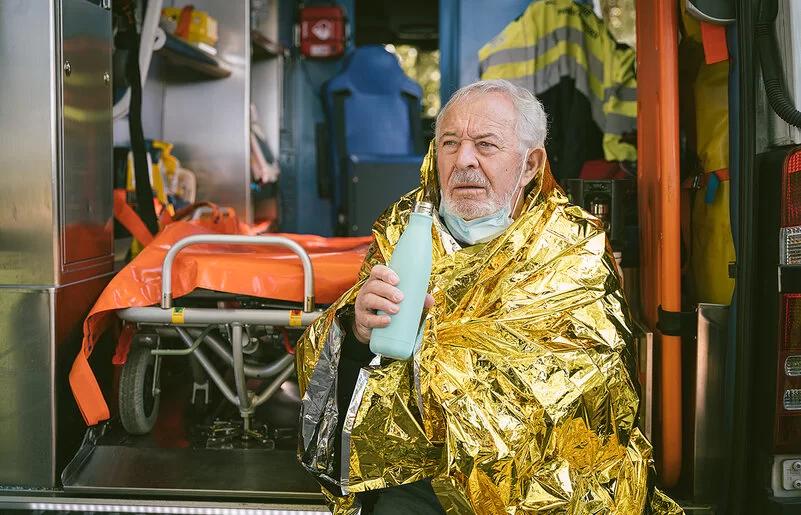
[{"x": 471, "y": 208}]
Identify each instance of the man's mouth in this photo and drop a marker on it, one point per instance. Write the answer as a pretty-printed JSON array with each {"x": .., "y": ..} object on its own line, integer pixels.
[{"x": 469, "y": 189}]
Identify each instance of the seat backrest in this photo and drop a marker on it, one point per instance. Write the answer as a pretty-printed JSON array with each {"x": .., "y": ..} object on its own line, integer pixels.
[
  {"x": 380, "y": 106},
  {"x": 373, "y": 114}
]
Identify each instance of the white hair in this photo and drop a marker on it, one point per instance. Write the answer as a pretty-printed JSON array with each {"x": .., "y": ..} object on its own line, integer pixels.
[{"x": 532, "y": 122}]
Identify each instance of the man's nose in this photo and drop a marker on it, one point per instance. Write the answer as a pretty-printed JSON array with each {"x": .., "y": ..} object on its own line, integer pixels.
[{"x": 467, "y": 156}]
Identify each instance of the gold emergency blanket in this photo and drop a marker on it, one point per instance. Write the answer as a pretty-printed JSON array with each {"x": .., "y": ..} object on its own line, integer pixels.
[{"x": 521, "y": 397}]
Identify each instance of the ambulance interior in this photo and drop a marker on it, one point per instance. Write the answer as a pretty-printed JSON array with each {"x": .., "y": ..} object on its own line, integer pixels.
[{"x": 185, "y": 187}]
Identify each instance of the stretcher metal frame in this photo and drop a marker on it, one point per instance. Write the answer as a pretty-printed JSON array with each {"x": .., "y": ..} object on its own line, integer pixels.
[{"x": 191, "y": 325}]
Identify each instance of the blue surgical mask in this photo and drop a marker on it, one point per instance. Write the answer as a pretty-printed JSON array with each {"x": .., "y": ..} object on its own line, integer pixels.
[
  {"x": 479, "y": 230},
  {"x": 484, "y": 229}
]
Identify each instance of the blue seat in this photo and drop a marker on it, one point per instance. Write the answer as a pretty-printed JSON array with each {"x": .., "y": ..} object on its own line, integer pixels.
[{"x": 373, "y": 114}]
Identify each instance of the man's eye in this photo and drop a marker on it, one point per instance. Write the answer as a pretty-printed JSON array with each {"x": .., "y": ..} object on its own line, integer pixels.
[
  {"x": 485, "y": 144},
  {"x": 448, "y": 143}
]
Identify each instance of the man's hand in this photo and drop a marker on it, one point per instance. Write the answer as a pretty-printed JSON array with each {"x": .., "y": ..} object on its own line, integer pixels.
[{"x": 378, "y": 293}]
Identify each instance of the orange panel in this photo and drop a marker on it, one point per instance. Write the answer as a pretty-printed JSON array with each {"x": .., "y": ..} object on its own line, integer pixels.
[
  {"x": 648, "y": 158},
  {"x": 658, "y": 190}
]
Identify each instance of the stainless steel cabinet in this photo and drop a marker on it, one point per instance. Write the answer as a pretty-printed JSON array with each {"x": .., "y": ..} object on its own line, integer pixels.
[{"x": 56, "y": 240}]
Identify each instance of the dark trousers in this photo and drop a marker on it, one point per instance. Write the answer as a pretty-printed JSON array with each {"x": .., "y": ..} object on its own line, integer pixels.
[{"x": 412, "y": 499}]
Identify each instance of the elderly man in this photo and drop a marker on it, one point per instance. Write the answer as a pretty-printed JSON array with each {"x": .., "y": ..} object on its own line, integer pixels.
[{"x": 522, "y": 394}]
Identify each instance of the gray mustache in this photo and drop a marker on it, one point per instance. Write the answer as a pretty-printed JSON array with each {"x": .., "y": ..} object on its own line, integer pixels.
[{"x": 469, "y": 176}]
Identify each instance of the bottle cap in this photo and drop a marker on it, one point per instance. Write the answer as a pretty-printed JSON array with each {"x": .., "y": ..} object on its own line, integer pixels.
[{"x": 426, "y": 208}]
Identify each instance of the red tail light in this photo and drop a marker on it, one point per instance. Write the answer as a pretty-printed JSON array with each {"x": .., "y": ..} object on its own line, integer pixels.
[
  {"x": 791, "y": 187},
  {"x": 787, "y": 429},
  {"x": 790, "y": 232},
  {"x": 787, "y": 437}
]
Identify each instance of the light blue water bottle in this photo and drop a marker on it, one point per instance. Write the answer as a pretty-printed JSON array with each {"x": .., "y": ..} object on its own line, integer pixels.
[{"x": 411, "y": 260}]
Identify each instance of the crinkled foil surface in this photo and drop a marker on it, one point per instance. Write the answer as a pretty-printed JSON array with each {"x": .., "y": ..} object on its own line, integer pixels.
[{"x": 521, "y": 398}]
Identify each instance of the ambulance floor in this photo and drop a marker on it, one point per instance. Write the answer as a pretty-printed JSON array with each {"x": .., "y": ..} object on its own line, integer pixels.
[{"x": 199, "y": 454}]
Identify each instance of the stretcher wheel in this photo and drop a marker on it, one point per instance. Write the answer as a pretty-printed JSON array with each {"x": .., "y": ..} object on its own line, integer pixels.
[{"x": 138, "y": 405}]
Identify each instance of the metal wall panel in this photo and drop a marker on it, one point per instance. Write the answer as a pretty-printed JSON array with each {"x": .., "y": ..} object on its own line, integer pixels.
[
  {"x": 267, "y": 81},
  {"x": 27, "y": 433},
  {"x": 153, "y": 101},
  {"x": 788, "y": 35},
  {"x": 55, "y": 215},
  {"x": 710, "y": 402},
  {"x": 40, "y": 335},
  {"x": 266, "y": 87},
  {"x": 209, "y": 120},
  {"x": 27, "y": 142},
  {"x": 645, "y": 370},
  {"x": 50, "y": 237},
  {"x": 86, "y": 176}
]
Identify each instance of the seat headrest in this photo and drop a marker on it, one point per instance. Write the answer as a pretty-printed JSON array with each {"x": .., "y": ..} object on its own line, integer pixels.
[{"x": 372, "y": 69}]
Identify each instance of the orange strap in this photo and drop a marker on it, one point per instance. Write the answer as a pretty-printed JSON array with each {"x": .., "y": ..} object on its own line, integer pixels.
[
  {"x": 124, "y": 344},
  {"x": 90, "y": 401},
  {"x": 129, "y": 219},
  {"x": 701, "y": 180},
  {"x": 714, "y": 38},
  {"x": 190, "y": 209},
  {"x": 182, "y": 31}
]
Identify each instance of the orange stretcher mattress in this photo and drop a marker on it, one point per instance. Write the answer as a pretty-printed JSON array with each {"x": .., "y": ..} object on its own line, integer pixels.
[{"x": 259, "y": 271}]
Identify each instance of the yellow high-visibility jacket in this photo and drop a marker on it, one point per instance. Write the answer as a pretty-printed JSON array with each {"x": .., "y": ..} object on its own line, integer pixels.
[{"x": 557, "y": 39}]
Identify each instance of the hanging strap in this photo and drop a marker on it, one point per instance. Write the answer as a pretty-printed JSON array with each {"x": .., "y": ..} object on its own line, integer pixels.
[
  {"x": 708, "y": 181},
  {"x": 340, "y": 165},
  {"x": 685, "y": 217},
  {"x": 144, "y": 191},
  {"x": 323, "y": 166},
  {"x": 339, "y": 123}
]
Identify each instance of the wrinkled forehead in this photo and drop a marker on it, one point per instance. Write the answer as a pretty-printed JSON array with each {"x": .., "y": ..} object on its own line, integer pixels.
[{"x": 477, "y": 115}]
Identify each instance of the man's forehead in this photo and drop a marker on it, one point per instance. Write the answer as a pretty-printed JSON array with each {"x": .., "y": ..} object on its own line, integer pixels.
[{"x": 484, "y": 115}]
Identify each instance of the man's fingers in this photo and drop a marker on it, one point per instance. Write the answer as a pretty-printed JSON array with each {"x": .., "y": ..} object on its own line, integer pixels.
[
  {"x": 372, "y": 302},
  {"x": 383, "y": 290},
  {"x": 379, "y": 293},
  {"x": 371, "y": 321},
  {"x": 386, "y": 274}
]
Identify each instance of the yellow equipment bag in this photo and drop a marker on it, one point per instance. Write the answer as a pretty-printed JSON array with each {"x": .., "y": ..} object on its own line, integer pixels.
[{"x": 712, "y": 243}]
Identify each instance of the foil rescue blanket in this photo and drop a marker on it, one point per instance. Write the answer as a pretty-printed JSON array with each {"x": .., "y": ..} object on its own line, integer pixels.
[
  {"x": 522, "y": 397},
  {"x": 253, "y": 270}
]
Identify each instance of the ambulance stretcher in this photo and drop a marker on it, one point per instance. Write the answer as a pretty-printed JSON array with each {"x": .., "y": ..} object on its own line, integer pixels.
[{"x": 228, "y": 302}]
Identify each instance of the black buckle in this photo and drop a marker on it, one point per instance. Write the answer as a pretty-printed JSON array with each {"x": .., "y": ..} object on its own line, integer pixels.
[{"x": 677, "y": 323}]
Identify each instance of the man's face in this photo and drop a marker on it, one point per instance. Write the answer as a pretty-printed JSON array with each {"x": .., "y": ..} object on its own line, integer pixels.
[{"x": 478, "y": 156}]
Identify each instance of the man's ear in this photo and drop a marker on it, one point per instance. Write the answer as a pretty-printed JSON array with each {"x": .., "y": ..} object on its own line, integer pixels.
[{"x": 534, "y": 163}]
